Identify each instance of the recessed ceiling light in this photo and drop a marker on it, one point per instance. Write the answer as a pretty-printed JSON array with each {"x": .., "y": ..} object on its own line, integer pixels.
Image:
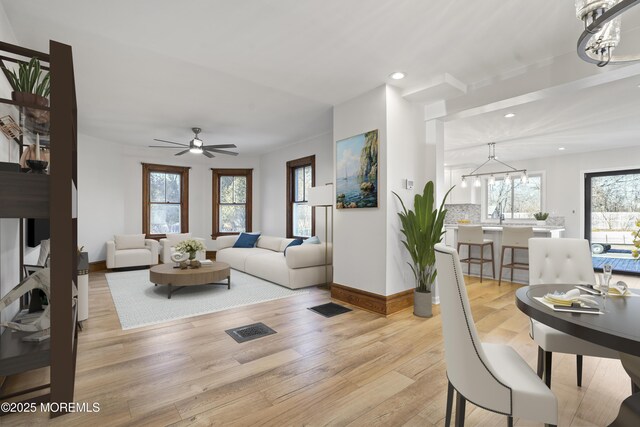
[
  {"x": 509, "y": 115},
  {"x": 561, "y": 148},
  {"x": 397, "y": 75}
]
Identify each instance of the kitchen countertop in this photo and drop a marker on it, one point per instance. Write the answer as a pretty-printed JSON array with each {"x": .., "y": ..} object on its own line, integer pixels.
[{"x": 497, "y": 227}]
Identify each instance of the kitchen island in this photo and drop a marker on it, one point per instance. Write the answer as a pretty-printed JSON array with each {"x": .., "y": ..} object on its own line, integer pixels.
[{"x": 493, "y": 231}]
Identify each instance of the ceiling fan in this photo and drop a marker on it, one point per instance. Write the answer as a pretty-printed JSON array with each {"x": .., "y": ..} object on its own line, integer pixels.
[{"x": 196, "y": 146}]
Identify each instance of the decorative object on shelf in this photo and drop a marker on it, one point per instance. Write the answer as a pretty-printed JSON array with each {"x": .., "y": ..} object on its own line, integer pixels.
[
  {"x": 9, "y": 127},
  {"x": 492, "y": 175},
  {"x": 35, "y": 157},
  {"x": 322, "y": 196},
  {"x": 357, "y": 171},
  {"x": 28, "y": 83},
  {"x": 190, "y": 246},
  {"x": 541, "y": 217},
  {"x": 601, "y": 35},
  {"x": 30, "y": 87},
  {"x": 37, "y": 166},
  {"x": 195, "y": 263},
  {"x": 40, "y": 324},
  {"x": 196, "y": 146},
  {"x": 423, "y": 229},
  {"x": 636, "y": 240}
]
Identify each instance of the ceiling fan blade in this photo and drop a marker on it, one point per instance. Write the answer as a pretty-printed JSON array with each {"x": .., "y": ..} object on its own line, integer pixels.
[
  {"x": 209, "y": 155},
  {"x": 163, "y": 146},
  {"x": 171, "y": 142},
  {"x": 215, "y": 150},
  {"x": 221, "y": 146},
  {"x": 182, "y": 152}
]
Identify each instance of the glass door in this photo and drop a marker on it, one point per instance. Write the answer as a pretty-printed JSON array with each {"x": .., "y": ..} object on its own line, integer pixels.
[{"x": 612, "y": 207}]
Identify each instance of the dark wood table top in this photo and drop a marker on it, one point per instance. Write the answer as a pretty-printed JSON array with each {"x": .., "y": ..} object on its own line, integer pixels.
[{"x": 618, "y": 328}]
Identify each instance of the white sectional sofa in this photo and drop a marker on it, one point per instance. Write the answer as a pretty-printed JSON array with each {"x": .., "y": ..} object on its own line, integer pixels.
[{"x": 303, "y": 265}]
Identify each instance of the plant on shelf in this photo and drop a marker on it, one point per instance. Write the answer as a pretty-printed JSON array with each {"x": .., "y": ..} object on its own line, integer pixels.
[
  {"x": 423, "y": 229},
  {"x": 541, "y": 216},
  {"x": 190, "y": 246},
  {"x": 636, "y": 241},
  {"x": 28, "y": 83}
]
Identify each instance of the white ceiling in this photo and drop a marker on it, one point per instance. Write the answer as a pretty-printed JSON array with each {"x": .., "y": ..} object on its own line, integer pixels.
[{"x": 262, "y": 74}]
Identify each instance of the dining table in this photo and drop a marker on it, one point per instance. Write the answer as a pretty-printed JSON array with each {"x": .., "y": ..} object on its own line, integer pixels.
[{"x": 617, "y": 326}]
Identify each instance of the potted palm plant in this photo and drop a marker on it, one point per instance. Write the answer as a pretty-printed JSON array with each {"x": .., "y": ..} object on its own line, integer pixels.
[{"x": 423, "y": 229}]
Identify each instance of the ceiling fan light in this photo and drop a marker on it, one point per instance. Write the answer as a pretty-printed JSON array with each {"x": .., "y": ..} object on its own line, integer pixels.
[
  {"x": 197, "y": 142},
  {"x": 195, "y": 150}
]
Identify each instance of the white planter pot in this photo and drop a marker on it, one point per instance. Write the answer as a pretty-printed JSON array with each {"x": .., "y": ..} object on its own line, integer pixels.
[
  {"x": 541, "y": 223},
  {"x": 422, "y": 304}
]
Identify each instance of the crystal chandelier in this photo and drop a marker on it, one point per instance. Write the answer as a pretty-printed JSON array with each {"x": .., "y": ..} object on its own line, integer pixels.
[
  {"x": 508, "y": 174},
  {"x": 601, "y": 33}
]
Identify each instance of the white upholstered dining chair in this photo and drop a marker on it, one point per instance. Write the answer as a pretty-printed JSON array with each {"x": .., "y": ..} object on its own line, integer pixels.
[
  {"x": 561, "y": 261},
  {"x": 491, "y": 376}
]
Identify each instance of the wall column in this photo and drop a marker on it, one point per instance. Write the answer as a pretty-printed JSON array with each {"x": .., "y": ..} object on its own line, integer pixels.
[{"x": 434, "y": 137}]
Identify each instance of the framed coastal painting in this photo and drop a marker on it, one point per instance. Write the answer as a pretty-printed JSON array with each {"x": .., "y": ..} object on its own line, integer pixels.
[{"x": 357, "y": 171}]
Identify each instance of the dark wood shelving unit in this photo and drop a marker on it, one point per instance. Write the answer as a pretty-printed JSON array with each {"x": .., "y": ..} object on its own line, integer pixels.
[
  {"x": 31, "y": 195},
  {"x": 24, "y": 195}
]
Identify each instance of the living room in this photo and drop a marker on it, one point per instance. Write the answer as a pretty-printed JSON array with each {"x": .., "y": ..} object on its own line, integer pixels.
[{"x": 275, "y": 95}]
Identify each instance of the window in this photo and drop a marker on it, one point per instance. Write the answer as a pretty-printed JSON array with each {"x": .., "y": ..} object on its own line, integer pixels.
[
  {"x": 518, "y": 200},
  {"x": 300, "y": 177},
  {"x": 165, "y": 200},
  {"x": 232, "y": 189}
]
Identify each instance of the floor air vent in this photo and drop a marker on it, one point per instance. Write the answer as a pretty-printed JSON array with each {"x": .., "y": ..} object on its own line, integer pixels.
[
  {"x": 329, "y": 310},
  {"x": 250, "y": 332}
]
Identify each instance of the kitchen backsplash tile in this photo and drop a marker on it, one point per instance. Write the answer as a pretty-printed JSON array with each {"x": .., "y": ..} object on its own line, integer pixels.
[{"x": 462, "y": 211}]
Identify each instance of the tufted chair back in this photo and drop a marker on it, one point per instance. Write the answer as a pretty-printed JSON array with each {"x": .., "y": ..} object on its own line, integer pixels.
[
  {"x": 467, "y": 366},
  {"x": 560, "y": 261}
]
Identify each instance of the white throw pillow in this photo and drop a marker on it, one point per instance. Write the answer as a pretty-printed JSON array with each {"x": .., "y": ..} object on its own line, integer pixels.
[
  {"x": 175, "y": 238},
  {"x": 129, "y": 241}
]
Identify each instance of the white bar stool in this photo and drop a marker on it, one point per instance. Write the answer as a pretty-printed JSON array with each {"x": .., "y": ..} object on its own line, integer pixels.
[
  {"x": 472, "y": 235},
  {"x": 514, "y": 238}
]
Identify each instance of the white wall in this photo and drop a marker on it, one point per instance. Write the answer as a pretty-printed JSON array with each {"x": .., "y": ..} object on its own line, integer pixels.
[
  {"x": 564, "y": 176},
  {"x": 9, "y": 227},
  {"x": 273, "y": 169},
  {"x": 406, "y": 159},
  {"x": 360, "y": 237},
  {"x": 110, "y": 190}
]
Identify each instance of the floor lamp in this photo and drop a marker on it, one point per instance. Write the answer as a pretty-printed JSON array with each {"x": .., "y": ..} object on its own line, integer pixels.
[{"x": 323, "y": 196}]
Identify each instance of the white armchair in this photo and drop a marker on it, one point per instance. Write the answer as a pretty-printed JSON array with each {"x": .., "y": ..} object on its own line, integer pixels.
[
  {"x": 131, "y": 250},
  {"x": 167, "y": 246}
]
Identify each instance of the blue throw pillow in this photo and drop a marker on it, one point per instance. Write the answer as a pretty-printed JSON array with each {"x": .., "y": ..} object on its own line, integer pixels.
[
  {"x": 246, "y": 240},
  {"x": 312, "y": 241},
  {"x": 296, "y": 242}
]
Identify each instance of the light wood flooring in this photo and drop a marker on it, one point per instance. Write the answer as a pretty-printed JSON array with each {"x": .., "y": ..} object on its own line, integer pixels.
[{"x": 354, "y": 369}]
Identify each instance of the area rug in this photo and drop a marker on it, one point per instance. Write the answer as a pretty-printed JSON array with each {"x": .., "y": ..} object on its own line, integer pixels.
[{"x": 140, "y": 303}]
